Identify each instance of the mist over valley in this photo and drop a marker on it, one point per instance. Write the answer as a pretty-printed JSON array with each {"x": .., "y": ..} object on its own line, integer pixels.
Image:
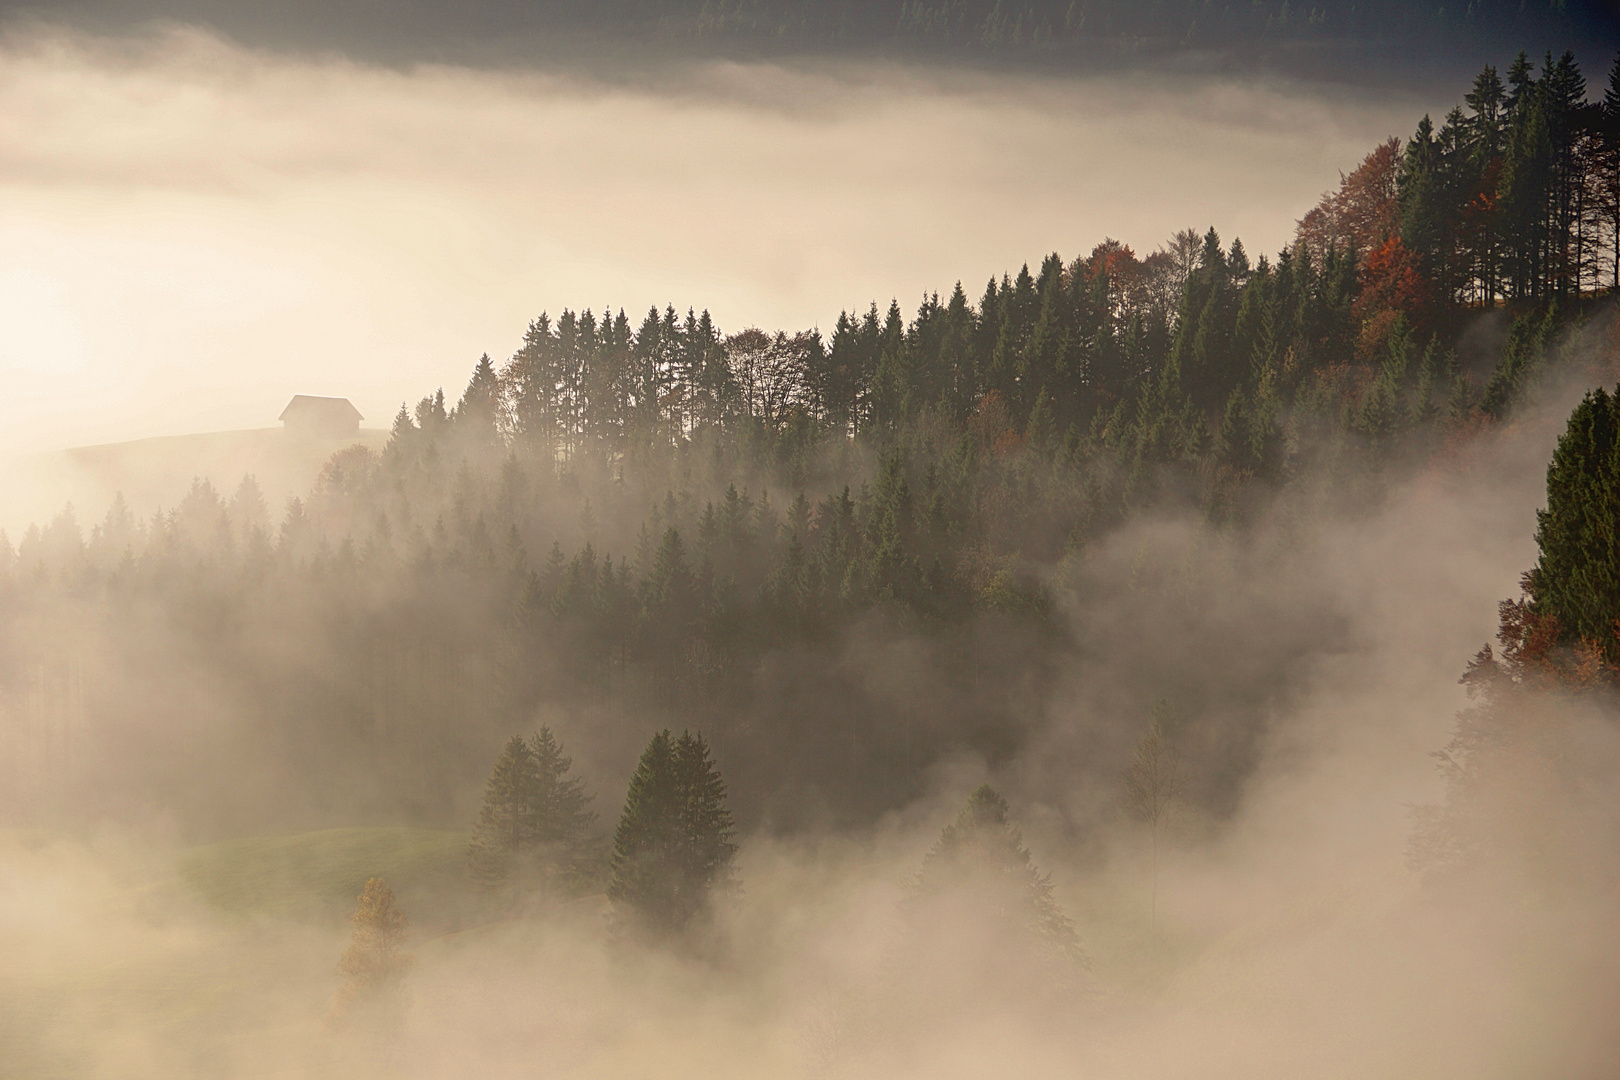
[{"x": 725, "y": 597}]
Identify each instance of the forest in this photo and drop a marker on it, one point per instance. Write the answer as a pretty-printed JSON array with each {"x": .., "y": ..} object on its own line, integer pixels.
[
  {"x": 705, "y": 530},
  {"x": 1077, "y": 669}
]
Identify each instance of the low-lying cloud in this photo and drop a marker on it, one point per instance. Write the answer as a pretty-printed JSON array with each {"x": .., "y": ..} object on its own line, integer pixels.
[
  {"x": 1290, "y": 936},
  {"x": 193, "y": 231}
]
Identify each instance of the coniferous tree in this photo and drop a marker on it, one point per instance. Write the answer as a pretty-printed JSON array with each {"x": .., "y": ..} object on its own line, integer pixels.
[
  {"x": 534, "y": 818},
  {"x": 1576, "y": 580},
  {"x": 981, "y": 856},
  {"x": 645, "y": 844},
  {"x": 1527, "y": 340},
  {"x": 997, "y": 435},
  {"x": 673, "y": 844},
  {"x": 477, "y": 416},
  {"x": 706, "y": 827},
  {"x": 1519, "y": 769},
  {"x": 506, "y": 823},
  {"x": 562, "y": 813}
]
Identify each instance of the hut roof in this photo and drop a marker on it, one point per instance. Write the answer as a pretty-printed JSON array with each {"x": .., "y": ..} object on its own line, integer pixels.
[{"x": 305, "y": 407}]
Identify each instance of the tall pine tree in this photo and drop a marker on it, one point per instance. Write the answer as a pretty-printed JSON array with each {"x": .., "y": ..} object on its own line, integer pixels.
[
  {"x": 534, "y": 818},
  {"x": 674, "y": 844},
  {"x": 1576, "y": 581}
]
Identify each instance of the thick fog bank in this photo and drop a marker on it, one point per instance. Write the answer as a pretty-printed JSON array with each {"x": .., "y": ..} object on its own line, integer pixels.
[{"x": 1286, "y": 937}]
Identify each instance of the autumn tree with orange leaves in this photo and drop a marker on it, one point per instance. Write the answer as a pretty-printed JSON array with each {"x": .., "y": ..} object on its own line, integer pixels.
[
  {"x": 374, "y": 965},
  {"x": 1362, "y": 213},
  {"x": 1393, "y": 289}
]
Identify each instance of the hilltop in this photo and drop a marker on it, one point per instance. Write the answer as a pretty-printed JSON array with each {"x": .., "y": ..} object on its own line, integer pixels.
[{"x": 156, "y": 473}]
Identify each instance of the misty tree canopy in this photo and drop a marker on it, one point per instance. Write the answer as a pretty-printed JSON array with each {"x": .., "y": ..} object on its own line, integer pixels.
[{"x": 660, "y": 522}]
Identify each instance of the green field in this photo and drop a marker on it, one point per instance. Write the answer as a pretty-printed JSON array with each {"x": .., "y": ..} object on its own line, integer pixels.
[
  {"x": 125, "y": 959},
  {"x": 312, "y": 874}
]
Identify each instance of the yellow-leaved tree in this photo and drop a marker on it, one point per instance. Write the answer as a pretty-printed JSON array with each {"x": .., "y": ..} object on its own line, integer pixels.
[{"x": 374, "y": 965}]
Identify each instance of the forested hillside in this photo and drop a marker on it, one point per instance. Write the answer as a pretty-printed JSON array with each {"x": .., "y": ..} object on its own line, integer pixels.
[{"x": 656, "y": 522}]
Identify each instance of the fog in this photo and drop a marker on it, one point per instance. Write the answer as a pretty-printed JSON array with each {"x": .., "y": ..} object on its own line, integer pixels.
[
  {"x": 194, "y": 231},
  {"x": 1291, "y": 936}
]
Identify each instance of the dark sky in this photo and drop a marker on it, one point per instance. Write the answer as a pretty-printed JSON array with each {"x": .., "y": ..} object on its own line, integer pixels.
[{"x": 1426, "y": 44}]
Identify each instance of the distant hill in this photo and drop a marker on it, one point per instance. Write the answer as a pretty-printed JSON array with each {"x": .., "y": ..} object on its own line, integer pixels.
[{"x": 155, "y": 473}]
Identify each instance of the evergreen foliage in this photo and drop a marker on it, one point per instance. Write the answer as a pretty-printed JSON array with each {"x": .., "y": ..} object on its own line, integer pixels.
[
  {"x": 982, "y": 853},
  {"x": 562, "y": 805},
  {"x": 673, "y": 845},
  {"x": 714, "y": 507},
  {"x": 1576, "y": 580},
  {"x": 1522, "y": 785},
  {"x": 1514, "y": 198},
  {"x": 534, "y": 817}
]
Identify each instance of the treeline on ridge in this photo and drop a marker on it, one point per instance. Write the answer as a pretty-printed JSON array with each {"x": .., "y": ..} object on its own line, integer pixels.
[{"x": 700, "y": 529}]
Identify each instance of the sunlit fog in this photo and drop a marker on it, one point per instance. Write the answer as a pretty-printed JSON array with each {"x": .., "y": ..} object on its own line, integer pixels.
[
  {"x": 194, "y": 231},
  {"x": 792, "y": 539}
]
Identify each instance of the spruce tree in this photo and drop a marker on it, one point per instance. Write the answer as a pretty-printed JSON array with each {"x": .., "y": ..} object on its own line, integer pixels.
[
  {"x": 673, "y": 843},
  {"x": 534, "y": 816},
  {"x": 706, "y": 827},
  {"x": 1576, "y": 581},
  {"x": 505, "y": 825},
  {"x": 647, "y": 838},
  {"x": 477, "y": 416},
  {"x": 982, "y": 852},
  {"x": 562, "y": 814},
  {"x": 1520, "y": 761},
  {"x": 1525, "y": 350},
  {"x": 1039, "y": 431},
  {"x": 1524, "y": 192}
]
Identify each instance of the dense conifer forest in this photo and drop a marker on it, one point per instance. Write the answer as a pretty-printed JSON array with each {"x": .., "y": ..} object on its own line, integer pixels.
[{"x": 655, "y": 518}]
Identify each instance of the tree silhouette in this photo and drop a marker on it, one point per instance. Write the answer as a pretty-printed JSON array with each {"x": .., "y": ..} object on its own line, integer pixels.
[
  {"x": 981, "y": 852},
  {"x": 673, "y": 844},
  {"x": 533, "y": 819}
]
